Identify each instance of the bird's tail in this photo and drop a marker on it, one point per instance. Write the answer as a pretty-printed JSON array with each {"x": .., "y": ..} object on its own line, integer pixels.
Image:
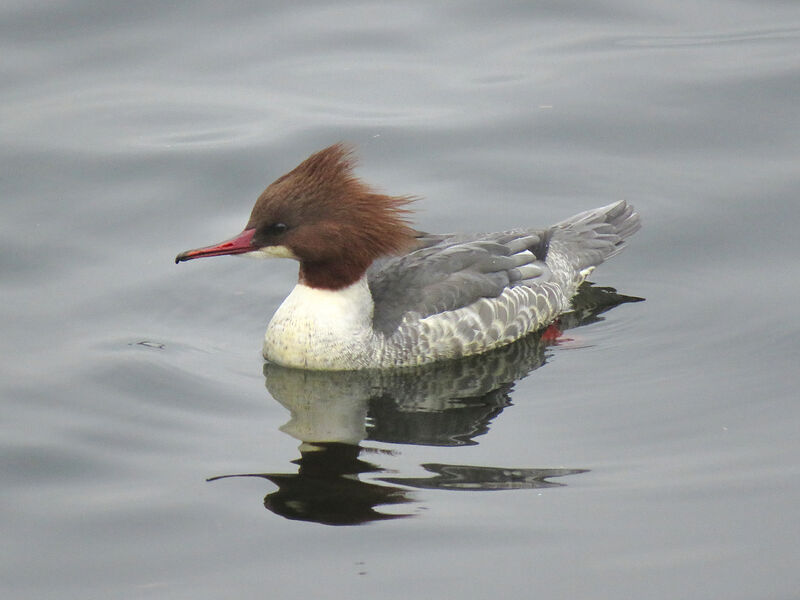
[{"x": 591, "y": 237}]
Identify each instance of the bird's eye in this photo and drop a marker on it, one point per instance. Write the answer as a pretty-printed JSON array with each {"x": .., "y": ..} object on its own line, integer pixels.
[{"x": 277, "y": 228}]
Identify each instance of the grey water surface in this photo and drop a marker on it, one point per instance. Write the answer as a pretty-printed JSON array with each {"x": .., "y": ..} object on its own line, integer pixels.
[{"x": 650, "y": 451}]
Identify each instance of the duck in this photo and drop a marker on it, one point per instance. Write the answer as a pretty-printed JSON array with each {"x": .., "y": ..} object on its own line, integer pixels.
[{"x": 373, "y": 292}]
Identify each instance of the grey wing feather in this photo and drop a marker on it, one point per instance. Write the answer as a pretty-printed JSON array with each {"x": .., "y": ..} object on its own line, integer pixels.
[{"x": 449, "y": 272}]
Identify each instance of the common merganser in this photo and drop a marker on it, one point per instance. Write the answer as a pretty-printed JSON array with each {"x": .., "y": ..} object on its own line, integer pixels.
[{"x": 375, "y": 293}]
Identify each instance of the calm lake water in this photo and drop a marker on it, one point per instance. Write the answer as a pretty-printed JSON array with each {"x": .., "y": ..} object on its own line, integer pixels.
[{"x": 146, "y": 451}]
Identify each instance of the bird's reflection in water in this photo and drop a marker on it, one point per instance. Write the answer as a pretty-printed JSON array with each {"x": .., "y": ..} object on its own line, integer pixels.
[
  {"x": 444, "y": 404},
  {"x": 326, "y": 488},
  {"x": 466, "y": 477}
]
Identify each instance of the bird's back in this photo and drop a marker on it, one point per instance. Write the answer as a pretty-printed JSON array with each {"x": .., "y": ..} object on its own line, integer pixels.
[{"x": 459, "y": 295}]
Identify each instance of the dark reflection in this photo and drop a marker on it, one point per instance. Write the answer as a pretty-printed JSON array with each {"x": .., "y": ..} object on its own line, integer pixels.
[
  {"x": 326, "y": 488},
  {"x": 465, "y": 477},
  {"x": 445, "y": 404}
]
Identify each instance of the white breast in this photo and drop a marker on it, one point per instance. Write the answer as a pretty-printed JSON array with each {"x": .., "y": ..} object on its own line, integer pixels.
[{"x": 323, "y": 329}]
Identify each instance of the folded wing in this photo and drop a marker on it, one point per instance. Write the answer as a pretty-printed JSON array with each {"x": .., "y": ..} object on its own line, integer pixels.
[{"x": 449, "y": 272}]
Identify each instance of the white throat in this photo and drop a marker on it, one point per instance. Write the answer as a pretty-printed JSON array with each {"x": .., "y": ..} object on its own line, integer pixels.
[{"x": 322, "y": 329}]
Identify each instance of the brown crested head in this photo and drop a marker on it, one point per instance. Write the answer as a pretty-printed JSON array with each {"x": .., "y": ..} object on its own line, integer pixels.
[{"x": 327, "y": 218}]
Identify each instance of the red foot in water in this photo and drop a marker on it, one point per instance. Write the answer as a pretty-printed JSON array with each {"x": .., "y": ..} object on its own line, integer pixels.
[{"x": 552, "y": 333}]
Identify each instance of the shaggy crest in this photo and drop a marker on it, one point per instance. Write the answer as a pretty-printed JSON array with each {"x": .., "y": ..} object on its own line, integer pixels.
[{"x": 331, "y": 221}]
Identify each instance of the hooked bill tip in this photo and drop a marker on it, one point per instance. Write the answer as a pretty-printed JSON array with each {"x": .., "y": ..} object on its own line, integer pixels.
[{"x": 239, "y": 244}]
